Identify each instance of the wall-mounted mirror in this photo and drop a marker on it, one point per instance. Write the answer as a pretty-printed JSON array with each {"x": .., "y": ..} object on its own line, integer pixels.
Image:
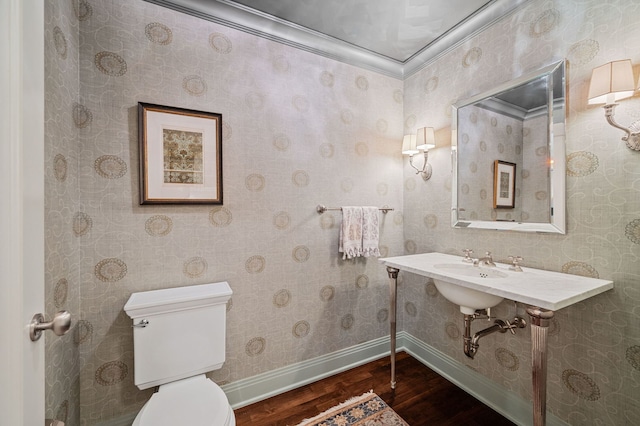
[{"x": 508, "y": 155}]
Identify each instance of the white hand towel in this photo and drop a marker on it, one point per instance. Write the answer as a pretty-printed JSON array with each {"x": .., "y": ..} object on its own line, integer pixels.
[
  {"x": 351, "y": 232},
  {"x": 370, "y": 232}
]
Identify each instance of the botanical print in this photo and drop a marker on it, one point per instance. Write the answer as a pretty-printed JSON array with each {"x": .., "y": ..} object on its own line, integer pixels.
[
  {"x": 504, "y": 185},
  {"x": 182, "y": 156}
]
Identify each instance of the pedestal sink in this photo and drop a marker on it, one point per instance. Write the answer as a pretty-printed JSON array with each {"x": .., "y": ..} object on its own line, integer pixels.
[{"x": 469, "y": 300}]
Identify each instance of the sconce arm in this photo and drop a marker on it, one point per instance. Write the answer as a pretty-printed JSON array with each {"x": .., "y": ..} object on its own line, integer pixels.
[
  {"x": 609, "y": 112},
  {"x": 426, "y": 170},
  {"x": 414, "y": 166},
  {"x": 631, "y": 138}
]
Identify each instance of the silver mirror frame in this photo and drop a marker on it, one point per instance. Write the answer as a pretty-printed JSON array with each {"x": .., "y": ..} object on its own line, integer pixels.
[{"x": 556, "y": 146}]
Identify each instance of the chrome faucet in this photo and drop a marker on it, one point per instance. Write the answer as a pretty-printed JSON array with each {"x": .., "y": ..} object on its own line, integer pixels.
[
  {"x": 484, "y": 261},
  {"x": 467, "y": 255}
]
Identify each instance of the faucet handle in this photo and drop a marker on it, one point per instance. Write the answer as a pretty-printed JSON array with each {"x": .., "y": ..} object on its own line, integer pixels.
[
  {"x": 515, "y": 260},
  {"x": 467, "y": 257},
  {"x": 517, "y": 323}
]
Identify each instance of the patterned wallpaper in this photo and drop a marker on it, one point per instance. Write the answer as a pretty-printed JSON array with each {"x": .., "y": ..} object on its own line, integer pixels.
[
  {"x": 594, "y": 356},
  {"x": 62, "y": 275},
  {"x": 300, "y": 130},
  {"x": 535, "y": 171},
  {"x": 487, "y": 136}
]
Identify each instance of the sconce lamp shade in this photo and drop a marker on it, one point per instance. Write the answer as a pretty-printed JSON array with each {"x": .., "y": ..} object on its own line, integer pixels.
[
  {"x": 426, "y": 138},
  {"x": 409, "y": 145},
  {"x": 611, "y": 82}
]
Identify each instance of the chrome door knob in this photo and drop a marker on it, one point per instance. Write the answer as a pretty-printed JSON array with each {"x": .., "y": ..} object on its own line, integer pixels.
[{"x": 60, "y": 324}]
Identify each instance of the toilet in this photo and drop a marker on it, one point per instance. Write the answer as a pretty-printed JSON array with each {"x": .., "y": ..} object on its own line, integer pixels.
[{"x": 178, "y": 336}]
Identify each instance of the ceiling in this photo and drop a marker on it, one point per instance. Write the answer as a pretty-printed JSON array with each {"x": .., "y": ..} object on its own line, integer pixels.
[
  {"x": 396, "y": 29},
  {"x": 393, "y": 37}
]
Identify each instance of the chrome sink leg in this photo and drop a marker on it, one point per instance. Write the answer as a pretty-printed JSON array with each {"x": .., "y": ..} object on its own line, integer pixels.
[
  {"x": 393, "y": 289},
  {"x": 540, "y": 319}
]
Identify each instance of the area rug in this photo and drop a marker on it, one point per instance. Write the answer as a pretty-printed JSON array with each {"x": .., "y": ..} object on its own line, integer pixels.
[{"x": 368, "y": 409}]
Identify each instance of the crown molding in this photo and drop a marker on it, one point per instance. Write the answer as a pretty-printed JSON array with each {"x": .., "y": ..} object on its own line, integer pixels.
[{"x": 242, "y": 18}]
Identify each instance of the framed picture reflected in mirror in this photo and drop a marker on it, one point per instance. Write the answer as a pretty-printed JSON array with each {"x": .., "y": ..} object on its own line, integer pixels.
[{"x": 504, "y": 185}]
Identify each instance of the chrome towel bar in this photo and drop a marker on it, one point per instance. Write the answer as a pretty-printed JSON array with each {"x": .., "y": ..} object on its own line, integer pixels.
[{"x": 320, "y": 208}]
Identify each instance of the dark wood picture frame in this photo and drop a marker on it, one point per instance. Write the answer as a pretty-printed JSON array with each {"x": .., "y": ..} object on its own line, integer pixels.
[
  {"x": 504, "y": 185},
  {"x": 180, "y": 155}
]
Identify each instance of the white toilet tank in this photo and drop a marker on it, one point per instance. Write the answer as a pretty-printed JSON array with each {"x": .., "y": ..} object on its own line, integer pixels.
[{"x": 178, "y": 332}]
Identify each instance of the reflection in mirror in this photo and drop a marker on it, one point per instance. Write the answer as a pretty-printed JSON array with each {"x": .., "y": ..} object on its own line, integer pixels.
[{"x": 521, "y": 124}]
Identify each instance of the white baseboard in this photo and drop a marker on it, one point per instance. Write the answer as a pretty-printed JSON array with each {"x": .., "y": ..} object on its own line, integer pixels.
[
  {"x": 262, "y": 386},
  {"x": 125, "y": 420},
  {"x": 247, "y": 391},
  {"x": 502, "y": 400},
  {"x": 266, "y": 385}
]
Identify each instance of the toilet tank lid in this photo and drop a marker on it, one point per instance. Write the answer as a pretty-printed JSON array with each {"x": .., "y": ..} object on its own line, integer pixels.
[{"x": 177, "y": 299}]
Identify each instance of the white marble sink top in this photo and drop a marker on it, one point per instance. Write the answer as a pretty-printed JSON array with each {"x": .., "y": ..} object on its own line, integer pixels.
[
  {"x": 536, "y": 287},
  {"x": 468, "y": 270}
]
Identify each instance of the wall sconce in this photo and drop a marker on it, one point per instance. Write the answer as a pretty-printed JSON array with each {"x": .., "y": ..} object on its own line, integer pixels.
[
  {"x": 424, "y": 140},
  {"x": 610, "y": 83}
]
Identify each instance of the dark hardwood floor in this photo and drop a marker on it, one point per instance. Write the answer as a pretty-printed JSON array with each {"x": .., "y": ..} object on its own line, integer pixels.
[{"x": 421, "y": 397}]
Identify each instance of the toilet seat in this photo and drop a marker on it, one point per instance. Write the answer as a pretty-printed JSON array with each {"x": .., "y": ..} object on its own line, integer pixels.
[{"x": 195, "y": 401}]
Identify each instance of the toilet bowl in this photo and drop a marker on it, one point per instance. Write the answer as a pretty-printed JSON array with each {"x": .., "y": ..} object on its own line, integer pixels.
[
  {"x": 178, "y": 336},
  {"x": 196, "y": 401}
]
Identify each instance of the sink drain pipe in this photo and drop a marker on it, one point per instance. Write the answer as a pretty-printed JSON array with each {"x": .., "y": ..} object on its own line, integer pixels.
[{"x": 471, "y": 344}]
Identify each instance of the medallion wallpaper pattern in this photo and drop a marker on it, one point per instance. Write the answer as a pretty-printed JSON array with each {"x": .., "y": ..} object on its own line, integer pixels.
[
  {"x": 594, "y": 345},
  {"x": 487, "y": 136},
  {"x": 63, "y": 222},
  {"x": 299, "y": 130}
]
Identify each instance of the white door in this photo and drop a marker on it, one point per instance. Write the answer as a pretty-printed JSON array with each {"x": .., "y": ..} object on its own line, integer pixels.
[{"x": 21, "y": 210}]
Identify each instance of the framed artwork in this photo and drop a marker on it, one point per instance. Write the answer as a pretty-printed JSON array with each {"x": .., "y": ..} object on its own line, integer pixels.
[
  {"x": 504, "y": 185},
  {"x": 180, "y": 155}
]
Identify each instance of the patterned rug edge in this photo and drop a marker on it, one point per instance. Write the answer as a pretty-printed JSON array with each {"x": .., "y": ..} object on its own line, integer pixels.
[{"x": 368, "y": 407}]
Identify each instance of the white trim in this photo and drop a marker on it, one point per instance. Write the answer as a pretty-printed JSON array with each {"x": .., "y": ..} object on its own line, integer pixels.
[
  {"x": 262, "y": 386},
  {"x": 126, "y": 420},
  {"x": 474, "y": 25},
  {"x": 490, "y": 393},
  {"x": 22, "y": 209},
  {"x": 252, "y": 21},
  {"x": 274, "y": 382},
  {"x": 11, "y": 211}
]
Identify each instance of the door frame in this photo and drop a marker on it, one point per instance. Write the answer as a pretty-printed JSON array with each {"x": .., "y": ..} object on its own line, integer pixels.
[{"x": 21, "y": 209}]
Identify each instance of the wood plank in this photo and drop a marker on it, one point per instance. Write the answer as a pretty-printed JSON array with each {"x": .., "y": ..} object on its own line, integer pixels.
[{"x": 421, "y": 397}]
